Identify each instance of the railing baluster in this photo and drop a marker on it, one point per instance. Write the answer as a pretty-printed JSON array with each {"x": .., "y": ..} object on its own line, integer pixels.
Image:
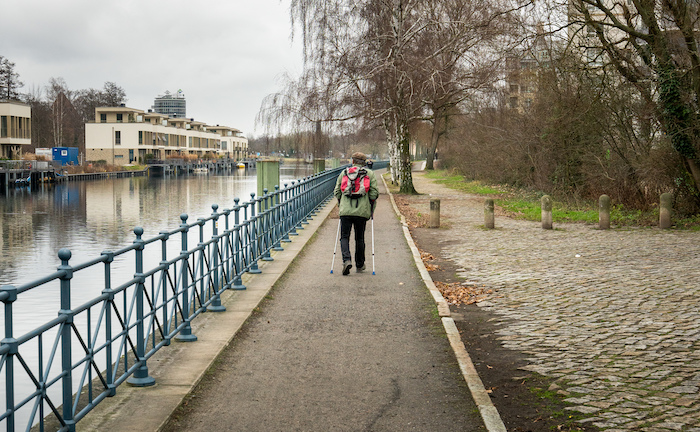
[
  {"x": 10, "y": 341},
  {"x": 214, "y": 277},
  {"x": 237, "y": 252},
  {"x": 66, "y": 351},
  {"x": 140, "y": 377},
  {"x": 186, "y": 332},
  {"x": 109, "y": 302}
]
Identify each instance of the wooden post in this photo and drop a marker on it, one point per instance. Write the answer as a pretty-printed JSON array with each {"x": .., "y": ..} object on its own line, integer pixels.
[
  {"x": 546, "y": 203},
  {"x": 489, "y": 221},
  {"x": 665, "y": 208},
  {"x": 604, "y": 212},
  {"x": 434, "y": 213}
]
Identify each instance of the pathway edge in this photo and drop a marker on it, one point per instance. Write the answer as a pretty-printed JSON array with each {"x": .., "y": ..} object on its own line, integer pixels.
[{"x": 489, "y": 413}]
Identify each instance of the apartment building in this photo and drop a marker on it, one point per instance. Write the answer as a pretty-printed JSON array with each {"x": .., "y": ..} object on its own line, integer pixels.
[
  {"x": 122, "y": 135},
  {"x": 15, "y": 129}
]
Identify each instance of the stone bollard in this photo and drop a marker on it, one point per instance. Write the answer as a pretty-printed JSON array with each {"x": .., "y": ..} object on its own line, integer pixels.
[
  {"x": 488, "y": 214},
  {"x": 604, "y": 212},
  {"x": 434, "y": 213},
  {"x": 665, "y": 207},
  {"x": 546, "y": 202}
]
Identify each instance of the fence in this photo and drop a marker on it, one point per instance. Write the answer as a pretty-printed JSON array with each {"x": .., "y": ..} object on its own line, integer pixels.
[{"x": 74, "y": 361}]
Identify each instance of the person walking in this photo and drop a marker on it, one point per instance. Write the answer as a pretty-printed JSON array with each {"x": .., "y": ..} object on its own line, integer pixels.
[{"x": 356, "y": 190}]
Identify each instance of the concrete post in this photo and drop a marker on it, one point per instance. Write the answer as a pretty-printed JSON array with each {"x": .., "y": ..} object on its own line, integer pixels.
[
  {"x": 665, "y": 208},
  {"x": 604, "y": 212},
  {"x": 434, "y": 213},
  {"x": 546, "y": 203},
  {"x": 335, "y": 163},
  {"x": 268, "y": 173},
  {"x": 489, "y": 221}
]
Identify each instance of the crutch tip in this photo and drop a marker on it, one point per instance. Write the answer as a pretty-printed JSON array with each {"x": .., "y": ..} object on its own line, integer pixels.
[
  {"x": 331, "y": 271},
  {"x": 373, "y": 273}
]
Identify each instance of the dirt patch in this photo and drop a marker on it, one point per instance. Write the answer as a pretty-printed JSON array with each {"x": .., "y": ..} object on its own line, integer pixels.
[{"x": 527, "y": 402}]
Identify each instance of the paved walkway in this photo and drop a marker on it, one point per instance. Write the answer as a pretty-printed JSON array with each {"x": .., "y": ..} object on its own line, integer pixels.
[
  {"x": 612, "y": 316},
  {"x": 320, "y": 351}
]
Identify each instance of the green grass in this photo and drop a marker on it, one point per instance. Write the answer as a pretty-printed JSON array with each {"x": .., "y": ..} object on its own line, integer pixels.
[
  {"x": 526, "y": 205},
  {"x": 459, "y": 183}
]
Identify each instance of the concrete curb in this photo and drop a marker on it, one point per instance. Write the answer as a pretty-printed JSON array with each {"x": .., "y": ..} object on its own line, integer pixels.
[{"x": 489, "y": 413}]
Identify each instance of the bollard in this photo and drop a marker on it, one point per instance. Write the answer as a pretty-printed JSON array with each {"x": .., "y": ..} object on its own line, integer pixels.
[
  {"x": 489, "y": 219},
  {"x": 434, "y": 213},
  {"x": 546, "y": 202},
  {"x": 665, "y": 207},
  {"x": 604, "y": 212}
]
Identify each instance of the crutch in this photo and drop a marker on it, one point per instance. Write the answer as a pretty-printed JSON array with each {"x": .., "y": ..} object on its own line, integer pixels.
[
  {"x": 337, "y": 234},
  {"x": 372, "y": 217},
  {"x": 373, "y": 273}
]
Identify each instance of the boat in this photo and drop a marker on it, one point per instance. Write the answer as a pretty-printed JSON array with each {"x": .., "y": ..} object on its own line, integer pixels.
[
  {"x": 200, "y": 170},
  {"x": 240, "y": 165}
]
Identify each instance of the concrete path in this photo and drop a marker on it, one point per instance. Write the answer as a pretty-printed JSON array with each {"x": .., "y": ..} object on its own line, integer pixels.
[
  {"x": 321, "y": 351},
  {"x": 613, "y": 317}
]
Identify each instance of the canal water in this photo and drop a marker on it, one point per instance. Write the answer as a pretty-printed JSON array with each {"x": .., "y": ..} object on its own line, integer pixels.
[{"x": 89, "y": 217}]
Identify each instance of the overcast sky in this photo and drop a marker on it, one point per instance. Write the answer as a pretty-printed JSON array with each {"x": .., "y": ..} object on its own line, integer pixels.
[{"x": 225, "y": 55}]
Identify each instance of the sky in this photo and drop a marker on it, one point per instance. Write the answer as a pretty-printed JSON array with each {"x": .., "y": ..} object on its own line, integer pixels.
[{"x": 225, "y": 55}]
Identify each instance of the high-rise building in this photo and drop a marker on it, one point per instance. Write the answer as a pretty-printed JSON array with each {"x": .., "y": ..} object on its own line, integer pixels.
[{"x": 172, "y": 105}]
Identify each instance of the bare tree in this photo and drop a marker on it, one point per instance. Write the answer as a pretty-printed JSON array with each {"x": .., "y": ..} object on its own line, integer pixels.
[
  {"x": 384, "y": 63},
  {"x": 653, "y": 44}
]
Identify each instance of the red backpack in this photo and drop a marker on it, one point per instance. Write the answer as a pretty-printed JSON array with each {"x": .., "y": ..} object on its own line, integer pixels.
[{"x": 355, "y": 182}]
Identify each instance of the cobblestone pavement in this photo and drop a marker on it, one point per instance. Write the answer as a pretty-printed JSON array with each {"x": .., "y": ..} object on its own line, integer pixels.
[{"x": 612, "y": 316}]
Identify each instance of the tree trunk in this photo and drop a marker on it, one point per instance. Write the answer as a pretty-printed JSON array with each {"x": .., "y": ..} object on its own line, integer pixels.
[
  {"x": 405, "y": 176},
  {"x": 432, "y": 148},
  {"x": 694, "y": 171}
]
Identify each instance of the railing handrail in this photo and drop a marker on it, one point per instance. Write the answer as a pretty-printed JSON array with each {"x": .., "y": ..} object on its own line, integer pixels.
[{"x": 116, "y": 332}]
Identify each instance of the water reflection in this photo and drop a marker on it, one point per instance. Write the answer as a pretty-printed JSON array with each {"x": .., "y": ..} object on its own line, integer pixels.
[{"x": 92, "y": 216}]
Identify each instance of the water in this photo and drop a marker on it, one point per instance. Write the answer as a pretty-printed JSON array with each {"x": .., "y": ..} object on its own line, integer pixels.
[{"x": 89, "y": 217}]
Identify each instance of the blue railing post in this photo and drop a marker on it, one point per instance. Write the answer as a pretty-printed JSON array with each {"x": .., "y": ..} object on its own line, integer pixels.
[
  {"x": 202, "y": 281},
  {"x": 66, "y": 346},
  {"x": 109, "y": 258},
  {"x": 165, "y": 236},
  {"x": 226, "y": 276},
  {"x": 140, "y": 377},
  {"x": 253, "y": 238},
  {"x": 293, "y": 202},
  {"x": 278, "y": 220},
  {"x": 186, "y": 332},
  {"x": 214, "y": 276},
  {"x": 265, "y": 214},
  {"x": 237, "y": 255},
  {"x": 10, "y": 341},
  {"x": 285, "y": 215}
]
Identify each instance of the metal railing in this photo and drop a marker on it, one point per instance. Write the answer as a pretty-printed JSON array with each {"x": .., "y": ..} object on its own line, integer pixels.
[{"x": 72, "y": 362}]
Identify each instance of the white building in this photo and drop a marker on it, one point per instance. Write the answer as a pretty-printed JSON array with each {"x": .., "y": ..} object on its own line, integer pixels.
[
  {"x": 15, "y": 128},
  {"x": 122, "y": 135}
]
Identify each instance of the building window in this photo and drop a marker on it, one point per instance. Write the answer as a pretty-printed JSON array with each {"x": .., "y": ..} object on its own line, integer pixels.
[
  {"x": 140, "y": 137},
  {"x": 117, "y": 137},
  {"x": 103, "y": 118},
  {"x": 120, "y": 118}
]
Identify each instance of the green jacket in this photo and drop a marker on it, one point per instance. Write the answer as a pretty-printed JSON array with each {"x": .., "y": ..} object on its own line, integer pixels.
[{"x": 357, "y": 206}]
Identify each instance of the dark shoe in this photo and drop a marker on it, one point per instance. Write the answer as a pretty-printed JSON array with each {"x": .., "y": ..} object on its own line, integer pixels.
[
  {"x": 346, "y": 268},
  {"x": 361, "y": 268}
]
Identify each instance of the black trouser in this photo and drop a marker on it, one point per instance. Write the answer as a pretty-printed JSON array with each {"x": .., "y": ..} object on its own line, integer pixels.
[{"x": 359, "y": 224}]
